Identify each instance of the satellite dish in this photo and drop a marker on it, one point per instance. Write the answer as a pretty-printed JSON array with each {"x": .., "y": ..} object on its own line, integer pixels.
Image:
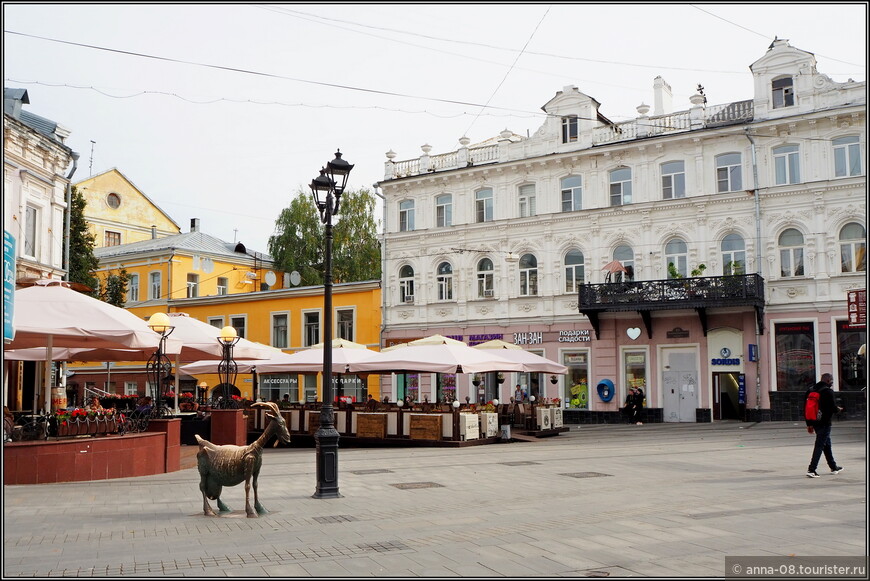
[
  {"x": 295, "y": 278},
  {"x": 271, "y": 279}
]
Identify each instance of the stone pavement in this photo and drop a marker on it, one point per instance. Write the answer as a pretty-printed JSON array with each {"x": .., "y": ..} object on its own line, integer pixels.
[{"x": 658, "y": 500}]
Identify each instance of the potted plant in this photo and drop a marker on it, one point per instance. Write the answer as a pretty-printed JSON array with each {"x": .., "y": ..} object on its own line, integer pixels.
[{"x": 475, "y": 379}]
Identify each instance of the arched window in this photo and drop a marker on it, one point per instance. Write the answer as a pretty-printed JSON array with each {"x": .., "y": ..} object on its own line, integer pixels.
[
  {"x": 485, "y": 287},
  {"x": 847, "y": 156},
  {"x": 528, "y": 275},
  {"x": 625, "y": 255},
  {"x": 853, "y": 248},
  {"x": 733, "y": 255},
  {"x": 406, "y": 216},
  {"x": 786, "y": 164},
  {"x": 729, "y": 172},
  {"x": 445, "y": 282},
  {"x": 676, "y": 258},
  {"x": 620, "y": 186},
  {"x": 783, "y": 92},
  {"x": 573, "y": 271},
  {"x": 444, "y": 211},
  {"x": 572, "y": 193},
  {"x": 791, "y": 253},
  {"x": 406, "y": 284}
]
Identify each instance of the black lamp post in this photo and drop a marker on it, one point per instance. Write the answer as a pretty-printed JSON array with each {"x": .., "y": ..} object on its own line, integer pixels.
[
  {"x": 158, "y": 366},
  {"x": 327, "y": 189},
  {"x": 227, "y": 368}
]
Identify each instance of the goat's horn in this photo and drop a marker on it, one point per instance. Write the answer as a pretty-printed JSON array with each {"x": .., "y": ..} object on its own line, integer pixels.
[{"x": 273, "y": 407}]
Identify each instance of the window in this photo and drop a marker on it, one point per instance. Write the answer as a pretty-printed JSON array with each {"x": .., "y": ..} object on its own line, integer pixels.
[
  {"x": 131, "y": 388},
  {"x": 239, "y": 323},
  {"x": 483, "y": 205},
  {"x": 620, "y": 186},
  {"x": 279, "y": 330},
  {"x": 795, "y": 348},
  {"x": 786, "y": 164},
  {"x": 572, "y": 193},
  {"x": 625, "y": 255},
  {"x": 133, "y": 289},
  {"x": 573, "y": 271},
  {"x": 192, "y": 286},
  {"x": 113, "y": 200},
  {"x": 783, "y": 93},
  {"x": 527, "y": 201},
  {"x": 406, "y": 284},
  {"x": 344, "y": 323},
  {"x": 311, "y": 329},
  {"x": 791, "y": 253},
  {"x": 30, "y": 231},
  {"x": 570, "y": 129},
  {"x": 853, "y": 248},
  {"x": 217, "y": 322},
  {"x": 406, "y": 216},
  {"x": 223, "y": 284},
  {"x": 728, "y": 173},
  {"x": 673, "y": 180},
  {"x": 577, "y": 382},
  {"x": 444, "y": 211},
  {"x": 485, "y": 279},
  {"x": 154, "y": 285},
  {"x": 111, "y": 238},
  {"x": 847, "y": 156},
  {"x": 853, "y": 367},
  {"x": 676, "y": 254},
  {"x": 445, "y": 282},
  {"x": 528, "y": 275},
  {"x": 733, "y": 255},
  {"x": 634, "y": 365}
]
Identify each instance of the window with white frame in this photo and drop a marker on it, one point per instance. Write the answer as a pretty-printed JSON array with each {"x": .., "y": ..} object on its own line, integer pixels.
[
  {"x": 791, "y": 253},
  {"x": 733, "y": 255},
  {"x": 729, "y": 173},
  {"x": 625, "y": 255},
  {"x": 344, "y": 324},
  {"x": 483, "y": 207},
  {"x": 154, "y": 284},
  {"x": 133, "y": 289},
  {"x": 620, "y": 186},
  {"x": 445, "y": 282},
  {"x": 853, "y": 248},
  {"x": 406, "y": 216},
  {"x": 131, "y": 388},
  {"x": 280, "y": 324},
  {"x": 573, "y": 271},
  {"x": 847, "y": 156},
  {"x": 570, "y": 129},
  {"x": 786, "y": 164},
  {"x": 528, "y": 275},
  {"x": 676, "y": 258},
  {"x": 673, "y": 180},
  {"x": 572, "y": 193},
  {"x": 223, "y": 285},
  {"x": 192, "y": 285},
  {"x": 485, "y": 279},
  {"x": 444, "y": 211},
  {"x": 527, "y": 201},
  {"x": 783, "y": 92},
  {"x": 216, "y": 322},
  {"x": 30, "y": 229},
  {"x": 310, "y": 328},
  {"x": 239, "y": 323},
  {"x": 406, "y": 284}
]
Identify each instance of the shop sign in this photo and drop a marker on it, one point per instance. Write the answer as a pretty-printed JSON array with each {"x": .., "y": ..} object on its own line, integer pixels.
[
  {"x": 8, "y": 285},
  {"x": 726, "y": 358},
  {"x": 677, "y": 333},
  {"x": 741, "y": 389},
  {"x": 530, "y": 338},
  {"x": 753, "y": 352},
  {"x": 478, "y": 339},
  {"x": 857, "y": 307},
  {"x": 574, "y": 358},
  {"x": 574, "y": 336}
]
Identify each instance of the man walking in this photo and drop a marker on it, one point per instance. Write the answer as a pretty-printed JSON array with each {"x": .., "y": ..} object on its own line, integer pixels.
[{"x": 822, "y": 426}]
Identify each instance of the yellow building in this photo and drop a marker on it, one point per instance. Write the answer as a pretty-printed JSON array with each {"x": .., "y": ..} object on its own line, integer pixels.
[{"x": 118, "y": 212}]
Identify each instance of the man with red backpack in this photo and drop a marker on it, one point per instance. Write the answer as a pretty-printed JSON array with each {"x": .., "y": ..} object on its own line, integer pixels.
[{"x": 820, "y": 402}]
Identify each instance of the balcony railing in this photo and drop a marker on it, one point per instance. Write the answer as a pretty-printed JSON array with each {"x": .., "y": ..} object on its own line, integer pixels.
[{"x": 699, "y": 293}]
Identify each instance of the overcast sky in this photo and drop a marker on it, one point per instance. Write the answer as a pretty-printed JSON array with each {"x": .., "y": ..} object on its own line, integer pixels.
[{"x": 223, "y": 112}]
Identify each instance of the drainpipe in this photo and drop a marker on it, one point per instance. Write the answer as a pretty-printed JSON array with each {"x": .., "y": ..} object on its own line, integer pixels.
[
  {"x": 376, "y": 186},
  {"x": 66, "y": 225},
  {"x": 757, "y": 265}
]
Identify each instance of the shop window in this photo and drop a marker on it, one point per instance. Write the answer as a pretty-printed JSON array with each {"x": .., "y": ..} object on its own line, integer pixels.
[
  {"x": 577, "y": 394},
  {"x": 795, "y": 352},
  {"x": 852, "y": 374},
  {"x": 634, "y": 367}
]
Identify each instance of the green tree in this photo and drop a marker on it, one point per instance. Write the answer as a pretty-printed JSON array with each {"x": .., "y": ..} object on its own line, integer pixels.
[
  {"x": 82, "y": 262},
  {"x": 114, "y": 291},
  {"x": 298, "y": 240}
]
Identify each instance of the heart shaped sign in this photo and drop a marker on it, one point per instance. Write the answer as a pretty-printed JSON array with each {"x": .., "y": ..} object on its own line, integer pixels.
[{"x": 633, "y": 333}]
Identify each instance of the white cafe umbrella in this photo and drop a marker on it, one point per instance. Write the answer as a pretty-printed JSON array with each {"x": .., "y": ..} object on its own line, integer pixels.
[{"x": 532, "y": 362}]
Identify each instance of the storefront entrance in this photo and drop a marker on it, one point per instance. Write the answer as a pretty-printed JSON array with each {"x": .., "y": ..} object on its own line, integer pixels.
[{"x": 726, "y": 394}]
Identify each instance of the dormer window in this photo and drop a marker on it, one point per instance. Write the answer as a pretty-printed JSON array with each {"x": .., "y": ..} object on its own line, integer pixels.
[
  {"x": 570, "y": 129},
  {"x": 783, "y": 93}
]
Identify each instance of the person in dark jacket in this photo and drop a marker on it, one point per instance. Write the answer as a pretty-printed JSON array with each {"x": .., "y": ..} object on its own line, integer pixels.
[{"x": 822, "y": 427}]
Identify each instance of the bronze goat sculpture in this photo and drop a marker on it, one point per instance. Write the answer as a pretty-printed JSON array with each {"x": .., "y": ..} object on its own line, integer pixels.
[{"x": 229, "y": 465}]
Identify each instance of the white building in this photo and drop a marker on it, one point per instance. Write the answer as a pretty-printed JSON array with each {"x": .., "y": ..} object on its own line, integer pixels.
[{"x": 764, "y": 199}]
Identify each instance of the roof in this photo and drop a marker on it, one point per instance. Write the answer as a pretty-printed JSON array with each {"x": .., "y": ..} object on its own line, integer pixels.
[{"x": 196, "y": 242}]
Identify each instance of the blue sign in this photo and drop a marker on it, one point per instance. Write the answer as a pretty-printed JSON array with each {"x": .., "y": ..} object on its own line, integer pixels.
[
  {"x": 8, "y": 286},
  {"x": 753, "y": 352},
  {"x": 741, "y": 389}
]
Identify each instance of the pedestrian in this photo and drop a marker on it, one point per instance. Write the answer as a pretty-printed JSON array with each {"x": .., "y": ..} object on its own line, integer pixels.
[
  {"x": 639, "y": 399},
  {"x": 631, "y": 406},
  {"x": 518, "y": 393},
  {"x": 822, "y": 426}
]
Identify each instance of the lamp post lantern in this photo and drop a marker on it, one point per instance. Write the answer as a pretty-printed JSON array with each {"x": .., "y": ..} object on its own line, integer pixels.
[
  {"x": 227, "y": 368},
  {"x": 326, "y": 190},
  {"x": 158, "y": 366}
]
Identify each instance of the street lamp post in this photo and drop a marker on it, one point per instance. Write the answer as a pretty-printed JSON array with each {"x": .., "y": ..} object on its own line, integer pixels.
[
  {"x": 158, "y": 365},
  {"x": 327, "y": 189},
  {"x": 227, "y": 368}
]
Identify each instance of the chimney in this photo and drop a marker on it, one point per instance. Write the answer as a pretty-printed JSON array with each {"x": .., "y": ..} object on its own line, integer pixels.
[
  {"x": 662, "y": 100},
  {"x": 194, "y": 224},
  {"x": 153, "y": 232}
]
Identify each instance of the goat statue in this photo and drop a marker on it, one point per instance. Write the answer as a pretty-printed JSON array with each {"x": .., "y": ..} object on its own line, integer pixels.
[{"x": 229, "y": 465}]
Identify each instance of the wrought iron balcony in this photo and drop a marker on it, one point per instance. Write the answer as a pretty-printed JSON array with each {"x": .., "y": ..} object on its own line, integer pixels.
[{"x": 700, "y": 293}]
